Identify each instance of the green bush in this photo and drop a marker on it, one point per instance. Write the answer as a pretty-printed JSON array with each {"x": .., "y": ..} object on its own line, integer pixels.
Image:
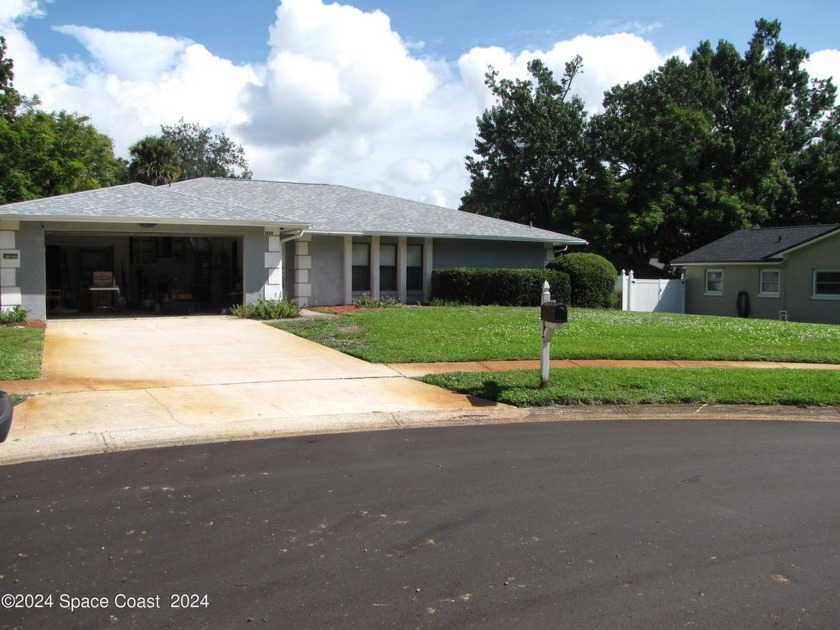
[
  {"x": 14, "y": 315},
  {"x": 267, "y": 309},
  {"x": 592, "y": 277},
  {"x": 368, "y": 301},
  {"x": 504, "y": 287}
]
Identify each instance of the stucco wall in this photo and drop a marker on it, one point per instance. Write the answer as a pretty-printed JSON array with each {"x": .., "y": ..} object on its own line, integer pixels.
[
  {"x": 490, "y": 254},
  {"x": 32, "y": 271},
  {"x": 327, "y": 273},
  {"x": 802, "y": 306},
  {"x": 736, "y": 278}
]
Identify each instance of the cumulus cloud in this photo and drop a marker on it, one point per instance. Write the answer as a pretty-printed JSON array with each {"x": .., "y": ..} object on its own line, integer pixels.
[
  {"x": 332, "y": 68},
  {"x": 131, "y": 56},
  {"x": 600, "y": 71}
]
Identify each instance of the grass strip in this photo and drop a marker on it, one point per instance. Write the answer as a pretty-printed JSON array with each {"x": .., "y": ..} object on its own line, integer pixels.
[
  {"x": 574, "y": 386},
  {"x": 20, "y": 352}
]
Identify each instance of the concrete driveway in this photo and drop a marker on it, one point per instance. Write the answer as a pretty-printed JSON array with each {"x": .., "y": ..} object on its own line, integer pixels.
[{"x": 175, "y": 380}]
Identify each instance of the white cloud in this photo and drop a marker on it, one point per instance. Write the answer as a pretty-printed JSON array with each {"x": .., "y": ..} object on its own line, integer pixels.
[
  {"x": 340, "y": 98},
  {"x": 130, "y": 56},
  {"x": 825, "y": 64},
  {"x": 332, "y": 68},
  {"x": 11, "y": 10},
  {"x": 600, "y": 70}
]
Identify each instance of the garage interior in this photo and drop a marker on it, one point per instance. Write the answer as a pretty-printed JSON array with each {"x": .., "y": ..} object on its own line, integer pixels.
[{"x": 170, "y": 274}]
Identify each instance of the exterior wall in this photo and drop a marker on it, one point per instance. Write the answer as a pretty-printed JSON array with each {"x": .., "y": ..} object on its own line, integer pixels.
[
  {"x": 23, "y": 280},
  {"x": 327, "y": 274},
  {"x": 489, "y": 254},
  {"x": 795, "y": 291},
  {"x": 736, "y": 278},
  {"x": 801, "y": 305},
  {"x": 255, "y": 264}
]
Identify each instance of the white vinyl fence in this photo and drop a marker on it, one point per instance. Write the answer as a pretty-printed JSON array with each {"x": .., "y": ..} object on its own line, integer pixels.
[{"x": 651, "y": 296}]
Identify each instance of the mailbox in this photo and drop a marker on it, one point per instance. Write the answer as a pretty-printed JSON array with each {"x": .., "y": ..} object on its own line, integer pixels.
[{"x": 554, "y": 313}]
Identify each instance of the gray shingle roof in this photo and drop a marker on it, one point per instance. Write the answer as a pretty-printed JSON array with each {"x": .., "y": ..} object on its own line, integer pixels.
[
  {"x": 324, "y": 208},
  {"x": 136, "y": 202},
  {"x": 331, "y": 209},
  {"x": 755, "y": 245}
]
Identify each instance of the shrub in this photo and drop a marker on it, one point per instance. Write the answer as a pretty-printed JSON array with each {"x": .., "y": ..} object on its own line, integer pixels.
[
  {"x": 592, "y": 277},
  {"x": 368, "y": 301},
  {"x": 14, "y": 315},
  {"x": 505, "y": 287},
  {"x": 267, "y": 309}
]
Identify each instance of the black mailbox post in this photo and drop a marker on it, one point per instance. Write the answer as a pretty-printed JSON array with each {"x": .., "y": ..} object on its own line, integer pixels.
[
  {"x": 554, "y": 313},
  {"x": 552, "y": 316}
]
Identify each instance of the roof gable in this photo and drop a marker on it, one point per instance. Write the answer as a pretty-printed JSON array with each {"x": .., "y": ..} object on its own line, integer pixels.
[{"x": 756, "y": 245}]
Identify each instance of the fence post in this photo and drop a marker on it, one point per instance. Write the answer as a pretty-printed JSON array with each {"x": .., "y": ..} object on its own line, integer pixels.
[{"x": 624, "y": 295}]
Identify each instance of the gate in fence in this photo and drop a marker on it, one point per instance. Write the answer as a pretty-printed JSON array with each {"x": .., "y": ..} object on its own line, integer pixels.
[{"x": 651, "y": 296}]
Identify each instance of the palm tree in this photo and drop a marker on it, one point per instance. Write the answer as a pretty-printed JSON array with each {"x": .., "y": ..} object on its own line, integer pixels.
[{"x": 153, "y": 161}]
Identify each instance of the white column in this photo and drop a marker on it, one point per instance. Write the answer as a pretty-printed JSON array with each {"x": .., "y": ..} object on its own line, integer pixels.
[
  {"x": 428, "y": 260},
  {"x": 348, "y": 270},
  {"x": 374, "y": 267},
  {"x": 303, "y": 269},
  {"x": 402, "y": 244}
]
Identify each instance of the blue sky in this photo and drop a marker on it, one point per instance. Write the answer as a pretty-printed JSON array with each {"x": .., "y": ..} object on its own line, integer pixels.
[
  {"x": 449, "y": 29},
  {"x": 338, "y": 93}
]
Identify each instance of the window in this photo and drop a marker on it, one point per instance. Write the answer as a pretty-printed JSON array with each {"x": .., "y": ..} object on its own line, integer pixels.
[
  {"x": 361, "y": 267},
  {"x": 414, "y": 268},
  {"x": 769, "y": 283},
  {"x": 387, "y": 267},
  {"x": 714, "y": 282},
  {"x": 827, "y": 284}
]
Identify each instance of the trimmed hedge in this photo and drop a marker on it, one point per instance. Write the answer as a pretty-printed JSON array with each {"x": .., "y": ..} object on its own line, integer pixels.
[
  {"x": 592, "y": 276},
  {"x": 503, "y": 287}
]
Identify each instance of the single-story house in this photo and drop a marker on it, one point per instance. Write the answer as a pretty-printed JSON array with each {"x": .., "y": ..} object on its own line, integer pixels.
[
  {"x": 209, "y": 243},
  {"x": 790, "y": 273}
]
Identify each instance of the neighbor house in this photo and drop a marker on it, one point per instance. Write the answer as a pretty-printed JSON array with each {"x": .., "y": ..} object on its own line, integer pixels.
[
  {"x": 209, "y": 243},
  {"x": 788, "y": 273}
]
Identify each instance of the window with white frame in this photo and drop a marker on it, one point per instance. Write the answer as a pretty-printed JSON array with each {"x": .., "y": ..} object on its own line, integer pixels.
[
  {"x": 769, "y": 283},
  {"x": 827, "y": 284},
  {"x": 714, "y": 282}
]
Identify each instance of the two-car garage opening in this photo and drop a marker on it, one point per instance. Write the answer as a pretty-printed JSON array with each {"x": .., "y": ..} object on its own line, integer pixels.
[{"x": 167, "y": 273}]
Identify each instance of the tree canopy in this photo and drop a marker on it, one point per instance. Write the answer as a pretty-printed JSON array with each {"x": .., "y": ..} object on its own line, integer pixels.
[
  {"x": 204, "y": 154},
  {"x": 529, "y": 147},
  {"x": 154, "y": 161},
  {"x": 689, "y": 153},
  {"x": 44, "y": 154}
]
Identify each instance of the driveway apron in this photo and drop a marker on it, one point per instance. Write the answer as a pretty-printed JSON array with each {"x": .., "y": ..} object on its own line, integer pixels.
[{"x": 121, "y": 374}]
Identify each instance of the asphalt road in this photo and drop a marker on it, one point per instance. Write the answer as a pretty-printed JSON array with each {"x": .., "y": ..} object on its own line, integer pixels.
[{"x": 568, "y": 525}]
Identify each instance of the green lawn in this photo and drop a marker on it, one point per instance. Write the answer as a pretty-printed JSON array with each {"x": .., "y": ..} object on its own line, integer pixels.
[
  {"x": 20, "y": 352},
  {"x": 434, "y": 334}
]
